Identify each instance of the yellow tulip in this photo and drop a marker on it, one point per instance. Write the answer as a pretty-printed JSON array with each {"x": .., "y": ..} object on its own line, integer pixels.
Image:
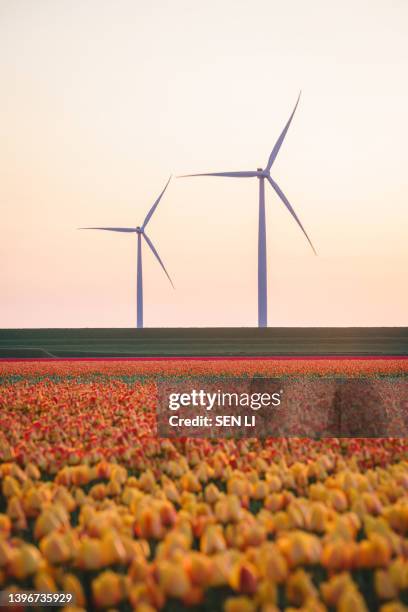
[
  {"x": 333, "y": 589},
  {"x": 239, "y": 604},
  {"x": 338, "y": 500},
  {"x": 11, "y": 487},
  {"x": 35, "y": 499},
  {"x": 212, "y": 540},
  {"x": 44, "y": 582},
  {"x": 51, "y": 518},
  {"x": 108, "y": 589},
  {"x": 171, "y": 492},
  {"x": 393, "y": 606},
  {"x": 238, "y": 485},
  {"x": 351, "y": 601},
  {"x": 24, "y": 561},
  {"x": 32, "y": 471},
  {"x": 299, "y": 588},
  {"x": 98, "y": 491},
  {"x": 267, "y": 593},
  {"x": 300, "y": 548},
  {"x": 113, "y": 549},
  {"x": 260, "y": 490},
  {"x": 145, "y": 607},
  {"x": 318, "y": 517},
  {"x": 90, "y": 554},
  {"x": 398, "y": 571},
  {"x": 173, "y": 579},
  {"x": 189, "y": 482},
  {"x": 138, "y": 570},
  {"x": 15, "y": 510},
  {"x": 71, "y": 584},
  {"x": 147, "y": 481},
  {"x": 275, "y": 567},
  {"x": 146, "y": 593},
  {"x": 384, "y": 586},
  {"x": 6, "y": 552},
  {"x": 55, "y": 548}
]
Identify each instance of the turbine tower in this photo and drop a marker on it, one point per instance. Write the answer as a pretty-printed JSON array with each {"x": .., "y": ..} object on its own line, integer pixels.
[
  {"x": 141, "y": 233},
  {"x": 263, "y": 174}
]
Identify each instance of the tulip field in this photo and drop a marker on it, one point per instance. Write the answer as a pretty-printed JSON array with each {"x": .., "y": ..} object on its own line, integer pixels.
[{"x": 95, "y": 504}]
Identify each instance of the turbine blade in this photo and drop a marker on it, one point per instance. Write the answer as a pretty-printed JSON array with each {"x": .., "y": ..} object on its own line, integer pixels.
[
  {"x": 155, "y": 253},
  {"x": 153, "y": 208},
  {"x": 281, "y": 138},
  {"x": 243, "y": 174},
  {"x": 290, "y": 209},
  {"x": 110, "y": 229}
]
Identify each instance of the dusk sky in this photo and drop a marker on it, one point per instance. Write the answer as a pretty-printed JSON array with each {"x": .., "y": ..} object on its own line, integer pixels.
[{"x": 101, "y": 100}]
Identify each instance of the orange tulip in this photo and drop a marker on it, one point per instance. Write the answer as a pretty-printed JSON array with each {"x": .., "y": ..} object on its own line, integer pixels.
[
  {"x": 199, "y": 567},
  {"x": 338, "y": 555},
  {"x": 371, "y": 553},
  {"x": 5, "y": 526},
  {"x": 244, "y": 577},
  {"x": 149, "y": 524}
]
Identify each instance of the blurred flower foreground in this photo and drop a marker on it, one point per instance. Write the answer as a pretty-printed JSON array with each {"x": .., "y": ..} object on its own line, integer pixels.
[{"x": 94, "y": 503}]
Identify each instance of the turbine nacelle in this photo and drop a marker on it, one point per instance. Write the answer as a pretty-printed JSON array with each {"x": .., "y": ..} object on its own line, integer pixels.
[{"x": 262, "y": 173}]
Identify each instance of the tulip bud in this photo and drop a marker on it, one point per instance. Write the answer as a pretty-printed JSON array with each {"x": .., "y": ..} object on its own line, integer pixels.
[
  {"x": 71, "y": 584},
  {"x": 244, "y": 577},
  {"x": 239, "y": 604},
  {"x": 108, "y": 589},
  {"x": 55, "y": 549},
  {"x": 173, "y": 579}
]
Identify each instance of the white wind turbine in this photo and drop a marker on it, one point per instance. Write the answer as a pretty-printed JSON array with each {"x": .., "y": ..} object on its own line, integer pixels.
[
  {"x": 263, "y": 174},
  {"x": 140, "y": 231}
]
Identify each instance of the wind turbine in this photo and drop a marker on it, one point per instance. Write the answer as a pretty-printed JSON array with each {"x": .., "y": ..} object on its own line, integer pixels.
[
  {"x": 263, "y": 174},
  {"x": 140, "y": 231}
]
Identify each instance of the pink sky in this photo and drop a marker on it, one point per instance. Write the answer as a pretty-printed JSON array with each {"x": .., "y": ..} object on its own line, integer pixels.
[{"x": 101, "y": 101}]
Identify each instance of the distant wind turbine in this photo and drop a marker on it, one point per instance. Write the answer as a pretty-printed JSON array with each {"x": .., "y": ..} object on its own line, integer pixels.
[
  {"x": 140, "y": 231},
  {"x": 263, "y": 174}
]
